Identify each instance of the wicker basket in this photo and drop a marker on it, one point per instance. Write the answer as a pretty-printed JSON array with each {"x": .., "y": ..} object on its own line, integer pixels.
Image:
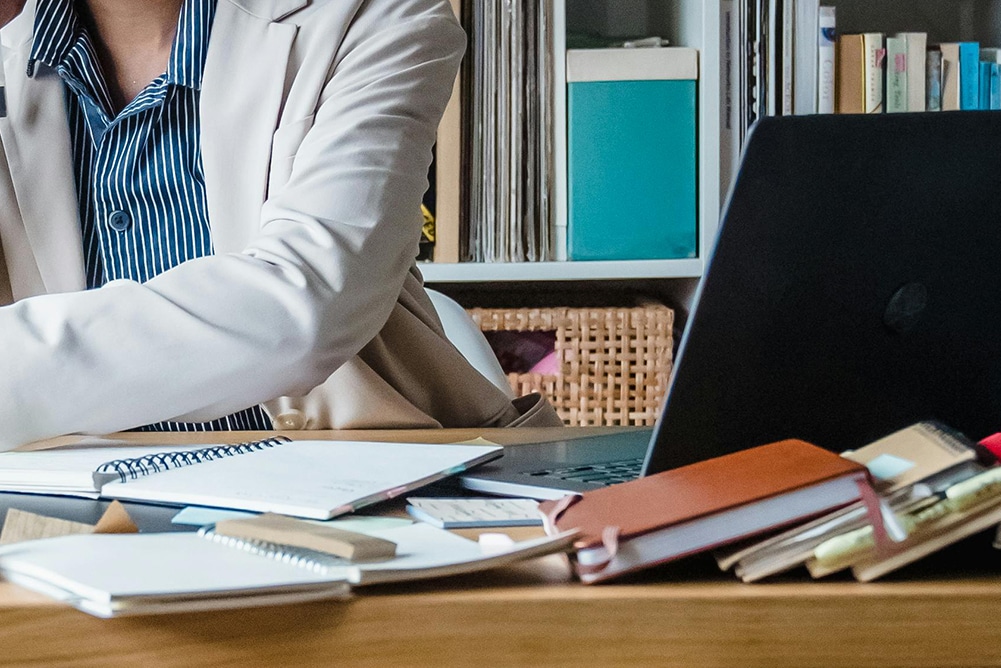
[{"x": 614, "y": 362}]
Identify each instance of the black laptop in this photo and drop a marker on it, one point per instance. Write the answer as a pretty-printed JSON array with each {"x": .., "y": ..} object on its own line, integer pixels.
[{"x": 854, "y": 289}]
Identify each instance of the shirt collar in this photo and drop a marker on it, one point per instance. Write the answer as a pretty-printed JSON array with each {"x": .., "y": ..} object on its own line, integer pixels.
[
  {"x": 191, "y": 44},
  {"x": 57, "y": 29}
]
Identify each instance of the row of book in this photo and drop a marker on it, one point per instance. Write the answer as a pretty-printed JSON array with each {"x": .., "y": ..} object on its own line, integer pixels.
[
  {"x": 491, "y": 182},
  {"x": 506, "y": 174},
  {"x": 790, "y": 504},
  {"x": 899, "y": 73},
  {"x": 784, "y": 57},
  {"x": 790, "y": 57}
]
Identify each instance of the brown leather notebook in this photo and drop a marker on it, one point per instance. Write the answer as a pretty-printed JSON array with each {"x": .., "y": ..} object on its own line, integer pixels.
[{"x": 698, "y": 507}]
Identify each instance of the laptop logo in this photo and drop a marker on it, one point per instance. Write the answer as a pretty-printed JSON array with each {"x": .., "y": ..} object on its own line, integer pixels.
[{"x": 906, "y": 307}]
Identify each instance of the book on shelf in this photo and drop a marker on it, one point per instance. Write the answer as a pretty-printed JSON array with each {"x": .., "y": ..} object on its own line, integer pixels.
[
  {"x": 110, "y": 575},
  {"x": 806, "y": 67},
  {"x": 994, "y": 87},
  {"x": 448, "y": 172},
  {"x": 509, "y": 132},
  {"x": 850, "y": 74},
  {"x": 772, "y": 56},
  {"x": 917, "y": 47},
  {"x": 984, "y": 92},
  {"x": 703, "y": 506},
  {"x": 991, "y": 56},
  {"x": 315, "y": 479},
  {"x": 897, "y": 67},
  {"x": 826, "y": 61},
  {"x": 730, "y": 94},
  {"x": 933, "y": 79},
  {"x": 906, "y": 466},
  {"x": 951, "y": 74},
  {"x": 969, "y": 75},
  {"x": 787, "y": 56},
  {"x": 556, "y": 51},
  {"x": 873, "y": 71}
]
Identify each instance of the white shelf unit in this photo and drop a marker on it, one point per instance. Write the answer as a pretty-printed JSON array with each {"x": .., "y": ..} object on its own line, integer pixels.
[
  {"x": 696, "y": 23},
  {"x": 692, "y": 23},
  {"x": 470, "y": 272}
]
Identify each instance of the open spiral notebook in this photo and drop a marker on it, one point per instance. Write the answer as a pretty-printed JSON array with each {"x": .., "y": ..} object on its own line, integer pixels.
[{"x": 313, "y": 479}]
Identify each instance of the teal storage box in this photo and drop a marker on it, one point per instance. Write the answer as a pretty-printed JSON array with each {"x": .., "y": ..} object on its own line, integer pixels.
[{"x": 631, "y": 153}]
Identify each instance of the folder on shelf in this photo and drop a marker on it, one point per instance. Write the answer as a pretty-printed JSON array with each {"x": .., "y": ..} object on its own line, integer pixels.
[{"x": 631, "y": 146}]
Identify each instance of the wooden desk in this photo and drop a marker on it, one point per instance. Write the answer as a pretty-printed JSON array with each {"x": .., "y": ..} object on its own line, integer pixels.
[{"x": 534, "y": 614}]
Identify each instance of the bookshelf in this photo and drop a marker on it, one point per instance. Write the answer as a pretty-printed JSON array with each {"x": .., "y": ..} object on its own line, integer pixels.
[
  {"x": 697, "y": 23},
  {"x": 692, "y": 23},
  {"x": 472, "y": 272}
]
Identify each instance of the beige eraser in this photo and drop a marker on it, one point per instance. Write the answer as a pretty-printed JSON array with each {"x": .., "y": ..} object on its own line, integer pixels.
[{"x": 299, "y": 533}]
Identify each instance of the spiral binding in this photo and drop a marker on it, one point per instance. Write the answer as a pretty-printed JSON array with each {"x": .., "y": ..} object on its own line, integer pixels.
[
  {"x": 163, "y": 461},
  {"x": 313, "y": 560}
]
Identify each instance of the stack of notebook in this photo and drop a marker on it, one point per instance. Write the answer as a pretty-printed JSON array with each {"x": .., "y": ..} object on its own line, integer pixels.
[
  {"x": 110, "y": 575},
  {"x": 779, "y": 506},
  {"x": 117, "y": 574},
  {"x": 703, "y": 506},
  {"x": 914, "y": 471}
]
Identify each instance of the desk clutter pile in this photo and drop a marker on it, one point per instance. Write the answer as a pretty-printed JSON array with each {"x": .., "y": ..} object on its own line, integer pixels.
[
  {"x": 772, "y": 508},
  {"x": 274, "y": 542},
  {"x": 277, "y": 525}
]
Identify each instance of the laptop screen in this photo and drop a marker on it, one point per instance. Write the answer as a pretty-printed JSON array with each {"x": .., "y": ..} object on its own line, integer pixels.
[{"x": 855, "y": 288}]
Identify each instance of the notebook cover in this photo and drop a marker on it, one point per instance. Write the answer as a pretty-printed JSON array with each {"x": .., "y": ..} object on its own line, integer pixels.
[{"x": 698, "y": 490}]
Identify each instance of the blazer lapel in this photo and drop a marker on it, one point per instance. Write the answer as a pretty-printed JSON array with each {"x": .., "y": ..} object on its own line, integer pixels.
[
  {"x": 37, "y": 144},
  {"x": 241, "y": 99}
]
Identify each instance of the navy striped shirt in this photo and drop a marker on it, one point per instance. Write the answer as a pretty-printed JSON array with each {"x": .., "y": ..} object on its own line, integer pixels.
[{"x": 138, "y": 170}]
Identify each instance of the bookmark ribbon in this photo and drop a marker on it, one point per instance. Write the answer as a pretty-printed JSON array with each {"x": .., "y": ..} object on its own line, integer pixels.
[{"x": 878, "y": 513}]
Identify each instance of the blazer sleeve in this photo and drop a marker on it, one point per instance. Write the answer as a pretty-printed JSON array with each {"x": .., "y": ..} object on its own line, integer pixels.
[{"x": 237, "y": 329}]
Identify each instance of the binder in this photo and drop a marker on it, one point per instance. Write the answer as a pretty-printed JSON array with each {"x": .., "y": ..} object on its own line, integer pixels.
[{"x": 632, "y": 153}]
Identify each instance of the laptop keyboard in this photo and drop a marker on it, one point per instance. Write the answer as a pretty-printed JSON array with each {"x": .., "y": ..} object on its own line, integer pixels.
[{"x": 606, "y": 473}]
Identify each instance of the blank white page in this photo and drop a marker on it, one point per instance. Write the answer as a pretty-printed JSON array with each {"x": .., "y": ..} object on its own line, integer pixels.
[{"x": 315, "y": 479}]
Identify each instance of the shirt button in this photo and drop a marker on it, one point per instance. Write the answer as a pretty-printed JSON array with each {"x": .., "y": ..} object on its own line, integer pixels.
[{"x": 119, "y": 221}]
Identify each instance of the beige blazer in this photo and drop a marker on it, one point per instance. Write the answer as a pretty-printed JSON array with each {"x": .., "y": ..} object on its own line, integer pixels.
[{"x": 318, "y": 119}]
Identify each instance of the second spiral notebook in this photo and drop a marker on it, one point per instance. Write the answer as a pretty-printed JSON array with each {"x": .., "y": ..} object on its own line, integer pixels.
[{"x": 313, "y": 479}]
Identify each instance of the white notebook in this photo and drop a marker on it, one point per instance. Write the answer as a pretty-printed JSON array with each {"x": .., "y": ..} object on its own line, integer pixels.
[
  {"x": 422, "y": 552},
  {"x": 314, "y": 479},
  {"x": 108, "y": 575},
  {"x": 118, "y": 574}
]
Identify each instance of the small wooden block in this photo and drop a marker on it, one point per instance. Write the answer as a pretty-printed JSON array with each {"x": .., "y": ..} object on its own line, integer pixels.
[
  {"x": 20, "y": 525},
  {"x": 284, "y": 530}
]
